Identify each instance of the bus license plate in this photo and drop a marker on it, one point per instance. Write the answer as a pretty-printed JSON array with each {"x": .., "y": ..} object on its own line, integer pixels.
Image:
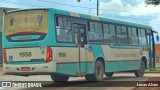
[{"x": 25, "y": 68}]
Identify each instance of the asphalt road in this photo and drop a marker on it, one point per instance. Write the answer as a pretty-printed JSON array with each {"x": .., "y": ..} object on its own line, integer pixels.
[{"x": 79, "y": 83}]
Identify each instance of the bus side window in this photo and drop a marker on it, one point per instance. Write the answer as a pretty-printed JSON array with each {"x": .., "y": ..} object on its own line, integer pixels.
[
  {"x": 133, "y": 38},
  {"x": 109, "y": 33},
  {"x": 59, "y": 22},
  {"x": 95, "y": 32},
  {"x": 112, "y": 33},
  {"x": 121, "y": 35},
  {"x": 63, "y": 29}
]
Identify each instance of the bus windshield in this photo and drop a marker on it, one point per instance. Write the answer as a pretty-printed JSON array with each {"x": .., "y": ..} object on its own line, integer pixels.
[{"x": 29, "y": 25}]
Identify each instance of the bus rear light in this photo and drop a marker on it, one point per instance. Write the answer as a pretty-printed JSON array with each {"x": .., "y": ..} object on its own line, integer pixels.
[
  {"x": 4, "y": 56},
  {"x": 49, "y": 55}
]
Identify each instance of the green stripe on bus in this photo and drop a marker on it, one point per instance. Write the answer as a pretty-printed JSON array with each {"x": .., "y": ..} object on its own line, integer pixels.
[
  {"x": 62, "y": 12},
  {"x": 23, "y": 63},
  {"x": 125, "y": 47},
  {"x": 73, "y": 68},
  {"x": 85, "y": 16}
]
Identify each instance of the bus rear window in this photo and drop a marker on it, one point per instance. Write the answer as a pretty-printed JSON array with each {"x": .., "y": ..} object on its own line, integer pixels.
[{"x": 29, "y": 25}]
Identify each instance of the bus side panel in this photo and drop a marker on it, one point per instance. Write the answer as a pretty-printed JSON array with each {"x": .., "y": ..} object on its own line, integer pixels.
[
  {"x": 71, "y": 69},
  {"x": 69, "y": 63},
  {"x": 67, "y": 68},
  {"x": 67, "y": 60},
  {"x": 121, "y": 58},
  {"x": 97, "y": 51},
  {"x": 88, "y": 65},
  {"x": 117, "y": 66}
]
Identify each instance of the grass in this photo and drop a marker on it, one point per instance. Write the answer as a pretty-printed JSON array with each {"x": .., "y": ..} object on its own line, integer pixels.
[{"x": 157, "y": 69}]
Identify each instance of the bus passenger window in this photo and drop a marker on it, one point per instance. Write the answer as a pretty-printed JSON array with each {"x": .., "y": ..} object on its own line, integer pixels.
[
  {"x": 109, "y": 33},
  {"x": 64, "y": 29},
  {"x": 121, "y": 35},
  {"x": 132, "y": 35},
  {"x": 91, "y": 25},
  {"x": 95, "y": 32}
]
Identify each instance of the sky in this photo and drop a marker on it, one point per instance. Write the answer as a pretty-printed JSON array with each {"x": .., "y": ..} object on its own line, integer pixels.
[{"x": 127, "y": 10}]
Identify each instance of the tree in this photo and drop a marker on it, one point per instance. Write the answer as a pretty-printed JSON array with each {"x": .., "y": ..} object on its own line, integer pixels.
[
  {"x": 78, "y": 0},
  {"x": 152, "y": 2},
  {"x": 148, "y": 2}
]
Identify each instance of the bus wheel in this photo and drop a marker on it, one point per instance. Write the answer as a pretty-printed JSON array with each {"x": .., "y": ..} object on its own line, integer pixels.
[
  {"x": 140, "y": 72},
  {"x": 59, "y": 78},
  {"x": 98, "y": 75},
  {"x": 110, "y": 74}
]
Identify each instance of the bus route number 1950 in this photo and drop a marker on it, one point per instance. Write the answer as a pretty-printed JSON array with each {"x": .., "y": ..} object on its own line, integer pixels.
[{"x": 25, "y": 54}]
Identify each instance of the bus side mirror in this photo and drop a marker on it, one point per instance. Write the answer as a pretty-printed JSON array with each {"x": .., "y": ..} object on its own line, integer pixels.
[{"x": 157, "y": 37}]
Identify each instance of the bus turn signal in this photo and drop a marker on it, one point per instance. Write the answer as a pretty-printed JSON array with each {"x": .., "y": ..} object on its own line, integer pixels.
[{"x": 4, "y": 56}]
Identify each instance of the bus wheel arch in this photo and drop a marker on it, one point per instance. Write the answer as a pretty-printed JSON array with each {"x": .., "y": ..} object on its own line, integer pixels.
[
  {"x": 102, "y": 60},
  {"x": 141, "y": 70},
  {"x": 144, "y": 59},
  {"x": 98, "y": 71}
]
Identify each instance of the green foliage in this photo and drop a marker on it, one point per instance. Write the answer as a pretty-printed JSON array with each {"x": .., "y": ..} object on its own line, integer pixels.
[
  {"x": 78, "y": 0},
  {"x": 157, "y": 69},
  {"x": 152, "y": 2}
]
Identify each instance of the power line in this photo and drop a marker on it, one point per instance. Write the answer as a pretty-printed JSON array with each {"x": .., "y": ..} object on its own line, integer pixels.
[
  {"x": 19, "y": 4},
  {"x": 41, "y": 5},
  {"x": 88, "y": 7},
  {"x": 75, "y": 6},
  {"x": 65, "y": 4}
]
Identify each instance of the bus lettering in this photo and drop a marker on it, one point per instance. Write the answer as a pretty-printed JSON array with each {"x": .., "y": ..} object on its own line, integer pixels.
[
  {"x": 62, "y": 54},
  {"x": 25, "y": 54}
]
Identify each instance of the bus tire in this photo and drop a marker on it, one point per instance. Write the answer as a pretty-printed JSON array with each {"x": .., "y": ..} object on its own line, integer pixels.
[
  {"x": 99, "y": 72},
  {"x": 59, "y": 78},
  {"x": 110, "y": 74},
  {"x": 140, "y": 72}
]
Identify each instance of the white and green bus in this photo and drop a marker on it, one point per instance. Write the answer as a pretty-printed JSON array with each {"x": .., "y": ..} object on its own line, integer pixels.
[{"x": 63, "y": 44}]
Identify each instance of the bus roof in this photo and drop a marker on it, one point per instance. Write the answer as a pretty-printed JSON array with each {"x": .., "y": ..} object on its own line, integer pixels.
[
  {"x": 99, "y": 18},
  {"x": 85, "y": 16}
]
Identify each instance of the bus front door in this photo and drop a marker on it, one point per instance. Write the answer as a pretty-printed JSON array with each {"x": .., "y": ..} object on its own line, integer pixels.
[
  {"x": 151, "y": 50},
  {"x": 81, "y": 41}
]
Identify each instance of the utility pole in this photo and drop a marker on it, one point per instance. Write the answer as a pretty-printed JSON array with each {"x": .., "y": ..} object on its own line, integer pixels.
[{"x": 97, "y": 6}]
